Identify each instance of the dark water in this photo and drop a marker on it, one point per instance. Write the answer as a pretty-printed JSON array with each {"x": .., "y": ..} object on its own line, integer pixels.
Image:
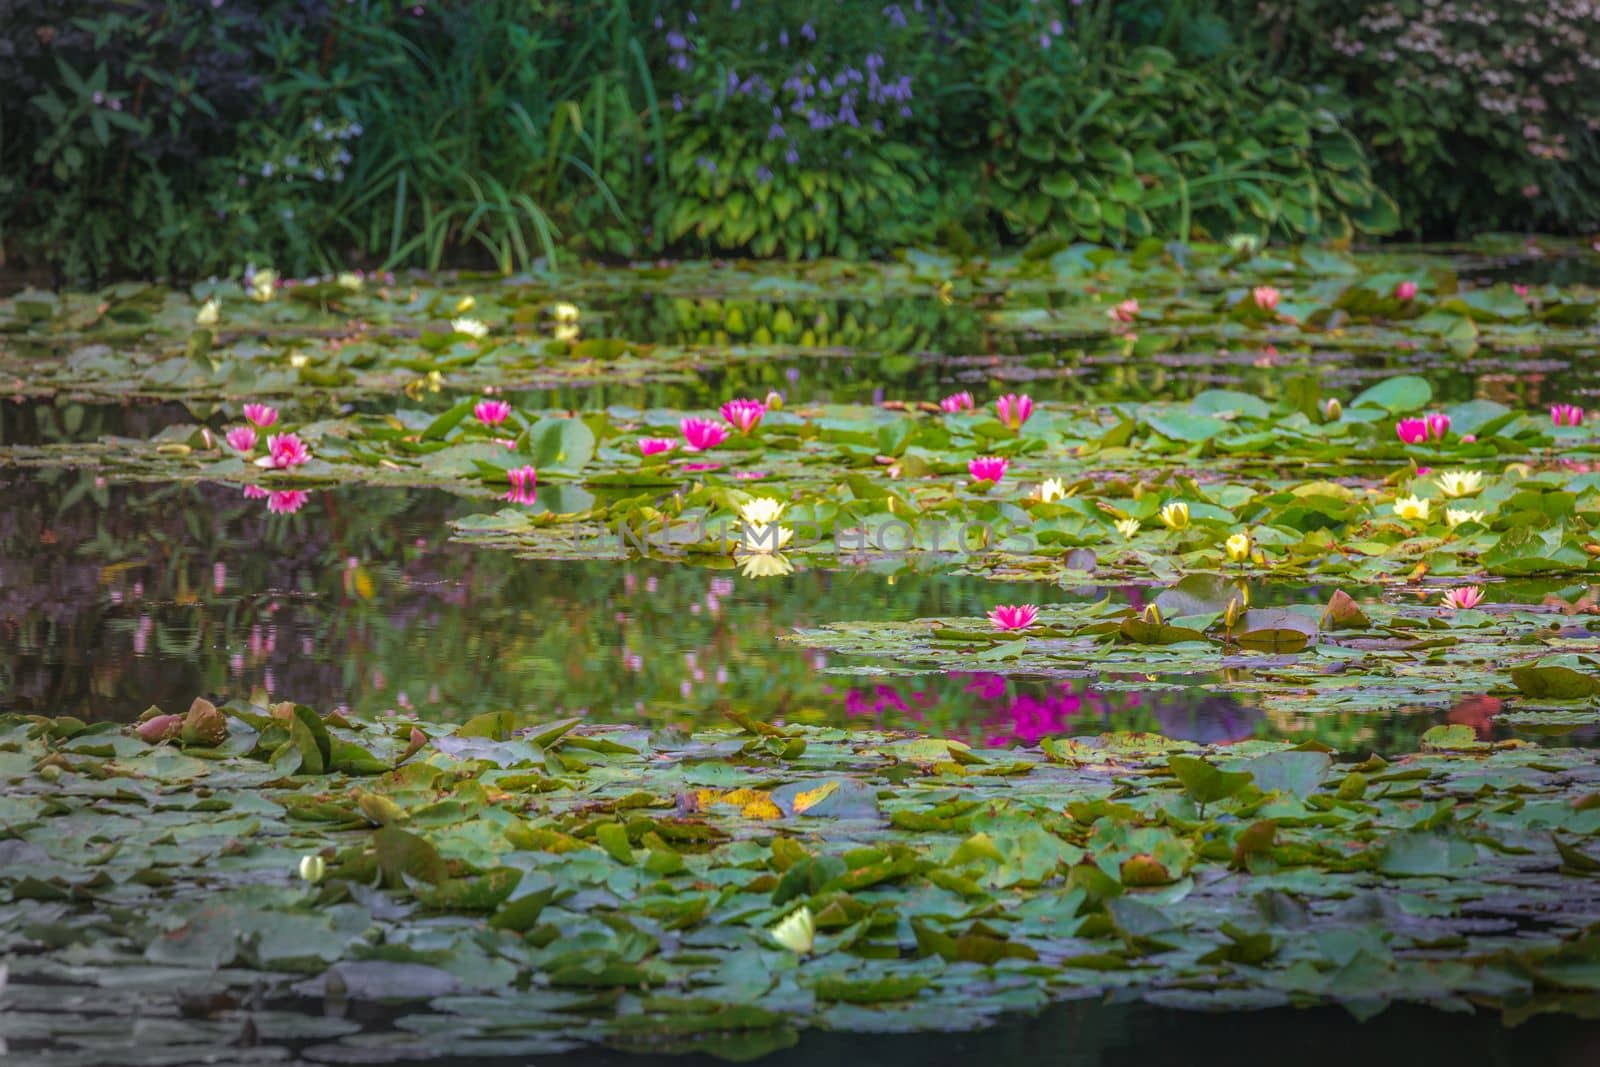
[{"x": 114, "y": 597}]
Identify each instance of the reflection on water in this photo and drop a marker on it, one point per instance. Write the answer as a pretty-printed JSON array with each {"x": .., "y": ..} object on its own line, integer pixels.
[{"x": 116, "y": 597}]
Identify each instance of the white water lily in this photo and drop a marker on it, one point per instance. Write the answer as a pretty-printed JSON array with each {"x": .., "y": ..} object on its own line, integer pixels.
[
  {"x": 469, "y": 327},
  {"x": 209, "y": 314},
  {"x": 1459, "y": 483},
  {"x": 797, "y": 932},
  {"x": 761, "y": 510},
  {"x": 1175, "y": 515},
  {"x": 1052, "y": 489},
  {"x": 1127, "y": 527},
  {"x": 1456, "y": 516}
]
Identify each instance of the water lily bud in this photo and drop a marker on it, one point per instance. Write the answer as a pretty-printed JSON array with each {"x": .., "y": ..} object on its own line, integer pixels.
[
  {"x": 1152, "y": 615},
  {"x": 465, "y": 304},
  {"x": 1332, "y": 410},
  {"x": 1234, "y": 612},
  {"x": 312, "y": 868},
  {"x": 774, "y": 401}
]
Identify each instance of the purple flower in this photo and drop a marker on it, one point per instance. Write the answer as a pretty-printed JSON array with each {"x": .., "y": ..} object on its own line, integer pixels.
[
  {"x": 807, "y": 32},
  {"x": 774, "y": 132},
  {"x": 677, "y": 41}
]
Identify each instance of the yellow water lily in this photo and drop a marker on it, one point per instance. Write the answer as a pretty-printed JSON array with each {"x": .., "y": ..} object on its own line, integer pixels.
[
  {"x": 1238, "y": 547},
  {"x": 1456, "y": 516},
  {"x": 466, "y": 304},
  {"x": 760, "y": 532},
  {"x": 1127, "y": 527},
  {"x": 263, "y": 283},
  {"x": 1175, "y": 515},
  {"x": 1052, "y": 489},
  {"x": 469, "y": 327},
  {"x": 765, "y": 565},
  {"x": 210, "y": 312},
  {"x": 797, "y": 932},
  {"x": 312, "y": 868},
  {"x": 1411, "y": 507},
  {"x": 349, "y": 280},
  {"x": 1459, "y": 483},
  {"x": 564, "y": 312}
]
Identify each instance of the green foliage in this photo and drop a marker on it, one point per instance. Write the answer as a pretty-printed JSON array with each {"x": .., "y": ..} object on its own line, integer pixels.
[{"x": 1477, "y": 116}]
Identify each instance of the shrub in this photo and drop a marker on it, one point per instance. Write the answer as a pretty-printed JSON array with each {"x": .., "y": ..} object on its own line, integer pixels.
[{"x": 1479, "y": 115}]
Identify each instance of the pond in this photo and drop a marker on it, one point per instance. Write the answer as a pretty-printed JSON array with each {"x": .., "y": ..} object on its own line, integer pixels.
[{"x": 1037, "y": 654}]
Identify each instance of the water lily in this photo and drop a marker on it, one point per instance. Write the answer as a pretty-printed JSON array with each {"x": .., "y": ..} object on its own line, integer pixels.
[
  {"x": 1014, "y": 616},
  {"x": 256, "y": 492},
  {"x": 242, "y": 439},
  {"x": 468, "y": 327},
  {"x": 1014, "y": 410},
  {"x": 651, "y": 446},
  {"x": 988, "y": 468},
  {"x": 701, "y": 434},
  {"x": 492, "y": 412},
  {"x": 797, "y": 932},
  {"x": 564, "y": 312},
  {"x": 760, "y": 532},
  {"x": 312, "y": 868},
  {"x": 1411, "y": 507},
  {"x": 765, "y": 565},
  {"x": 1332, "y": 410},
  {"x": 1265, "y": 297},
  {"x": 1566, "y": 415},
  {"x": 774, "y": 400},
  {"x": 263, "y": 283},
  {"x": 287, "y": 501},
  {"x": 1127, "y": 527},
  {"x": 745, "y": 414},
  {"x": 1406, "y": 291},
  {"x": 1051, "y": 490},
  {"x": 1125, "y": 312},
  {"x": 1456, "y": 516},
  {"x": 1438, "y": 424},
  {"x": 1463, "y": 597},
  {"x": 466, "y": 304},
  {"x": 1411, "y": 431},
  {"x": 1175, "y": 515},
  {"x": 1459, "y": 483},
  {"x": 286, "y": 450},
  {"x": 955, "y": 402},
  {"x": 524, "y": 485},
  {"x": 349, "y": 279},
  {"x": 261, "y": 414},
  {"x": 209, "y": 314},
  {"x": 1238, "y": 547}
]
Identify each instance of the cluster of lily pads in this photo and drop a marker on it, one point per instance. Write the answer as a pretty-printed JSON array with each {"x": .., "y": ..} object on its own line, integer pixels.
[{"x": 532, "y": 890}]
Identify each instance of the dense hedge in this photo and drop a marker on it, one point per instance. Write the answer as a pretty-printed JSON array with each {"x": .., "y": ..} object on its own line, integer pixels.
[{"x": 181, "y": 137}]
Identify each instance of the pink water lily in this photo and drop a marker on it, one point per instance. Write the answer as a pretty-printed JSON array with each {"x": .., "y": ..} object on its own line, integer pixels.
[
  {"x": 1438, "y": 424},
  {"x": 955, "y": 402},
  {"x": 701, "y": 434},
  {"x": 1411, "y": 431},
  {"x": 524, "y": 481},
  {"x": 1406, "y": 291},
  {"x": 1013, "y": 616},
  {"x": 1014, "y": 410},
  {"x": 988, "y": 468},
  {"x": 287, "y": 501},
  {"x": 287, "y": 450},
  {"x": 260, "y": 414},
  {"x": 745, "y": 414},
  {"x": 1566, "y": 415},
  {"x": 255, "y": 492},
  {"x": 1125, "y": 312},
  {"x": 242, "y": 439},
  {"x": 1265, "y": 297},
  {"x": 651, "y": 446},
  {"x": 492, "y": 412},
  {"x": 1463, "y": 597}
]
